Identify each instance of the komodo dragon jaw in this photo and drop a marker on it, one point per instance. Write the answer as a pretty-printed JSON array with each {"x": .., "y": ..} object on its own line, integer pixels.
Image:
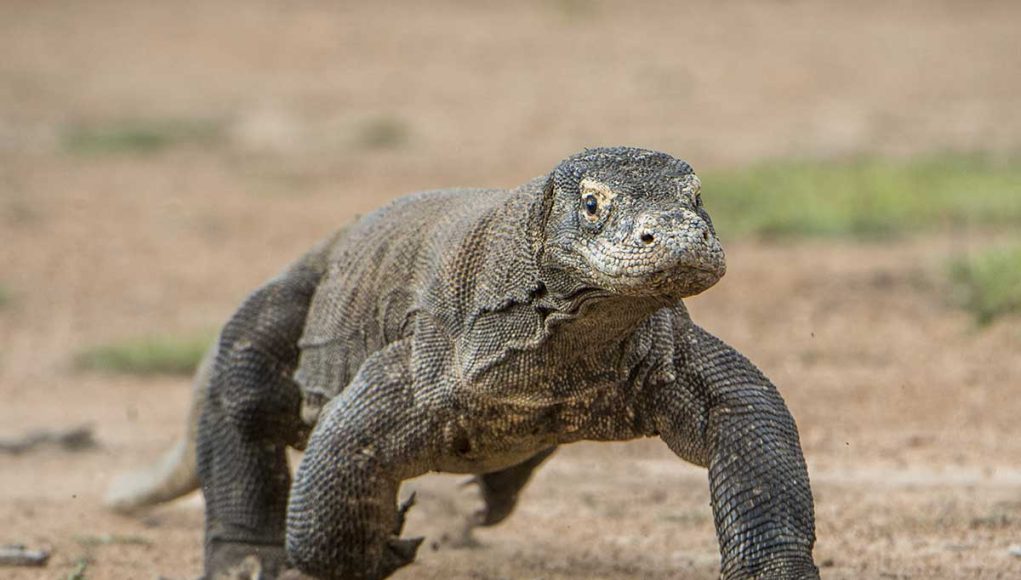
[{"x": 567, "y": 292}]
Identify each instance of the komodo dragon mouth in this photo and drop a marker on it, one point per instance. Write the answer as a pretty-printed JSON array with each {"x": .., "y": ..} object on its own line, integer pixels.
[{"x": 674, "y": 278}]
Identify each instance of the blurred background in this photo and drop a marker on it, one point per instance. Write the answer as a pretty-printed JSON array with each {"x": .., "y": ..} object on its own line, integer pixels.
[{"x": 159, "y": 160}]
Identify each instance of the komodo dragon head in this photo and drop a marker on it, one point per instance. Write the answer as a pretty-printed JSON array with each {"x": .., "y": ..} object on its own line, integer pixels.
[{"x": 630, "y": 221}]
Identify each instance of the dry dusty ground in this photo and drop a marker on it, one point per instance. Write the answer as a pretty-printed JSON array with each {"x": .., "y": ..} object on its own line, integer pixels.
[{"x": 909, "y": 414}]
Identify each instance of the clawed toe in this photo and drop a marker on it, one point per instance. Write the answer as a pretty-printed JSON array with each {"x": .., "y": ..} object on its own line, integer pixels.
[
  {"x": 399, "y": 553},
  {"x": 402, "y": 511}
]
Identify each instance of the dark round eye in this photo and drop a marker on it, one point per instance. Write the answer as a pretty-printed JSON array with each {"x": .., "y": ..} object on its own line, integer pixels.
[{"x": 591, "y": 204}]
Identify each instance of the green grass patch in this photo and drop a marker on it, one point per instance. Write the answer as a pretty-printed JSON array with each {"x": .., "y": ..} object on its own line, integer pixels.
[
  {"x": 868, "y": 197},
  {"x": 989, "y": 284},
  {"x": 5, "y": 296},
  {"x": 140, "y": 136},
  {"x": 148, "y": 356},
  {"x": 383, "y": 133},
  {"x": 574, "y": 10},
  {"x": 81, "y": 566}
]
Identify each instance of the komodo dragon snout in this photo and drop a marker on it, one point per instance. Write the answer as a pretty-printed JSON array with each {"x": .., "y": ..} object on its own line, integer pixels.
[{"x": 640, "y": 231}]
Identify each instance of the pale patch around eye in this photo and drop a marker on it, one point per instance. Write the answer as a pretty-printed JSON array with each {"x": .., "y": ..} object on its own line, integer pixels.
[
  {"x": 692, "y": 187},
  {"x": 603, "y": 195}
]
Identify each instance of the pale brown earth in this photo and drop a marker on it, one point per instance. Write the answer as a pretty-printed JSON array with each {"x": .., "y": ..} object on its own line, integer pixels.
[{"x": 910, "y": 415}]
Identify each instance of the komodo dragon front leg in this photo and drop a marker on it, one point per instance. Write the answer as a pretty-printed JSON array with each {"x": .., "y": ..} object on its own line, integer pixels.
[
  {"x": 724, "y": 414},
  {"x": 343, "y": 521}
]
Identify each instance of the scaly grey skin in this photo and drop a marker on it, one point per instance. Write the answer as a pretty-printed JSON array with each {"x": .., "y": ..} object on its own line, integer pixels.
[{"x": 474, "y": 331}]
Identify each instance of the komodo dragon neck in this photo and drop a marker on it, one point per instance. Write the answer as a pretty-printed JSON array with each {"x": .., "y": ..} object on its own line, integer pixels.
[
  {"x": 554, "y": 313},
  {"x": 593, "y": 320}
]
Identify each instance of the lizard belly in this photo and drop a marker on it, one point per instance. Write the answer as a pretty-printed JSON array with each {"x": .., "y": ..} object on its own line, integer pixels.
[
  {"x": 494, "y": 433},
  {"x": 474, "y": 465},
  {"x": 487, "y": 435}
]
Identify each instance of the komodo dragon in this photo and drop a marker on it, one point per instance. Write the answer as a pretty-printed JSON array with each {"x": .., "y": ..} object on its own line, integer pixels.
[{"x": 473, "y": 331}]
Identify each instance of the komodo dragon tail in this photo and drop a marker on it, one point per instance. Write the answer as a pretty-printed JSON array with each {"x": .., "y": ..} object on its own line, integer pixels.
[{"x": 176, "y": 472}]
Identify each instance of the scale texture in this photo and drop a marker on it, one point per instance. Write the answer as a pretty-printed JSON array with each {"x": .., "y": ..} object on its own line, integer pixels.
[{"x": 474, "y": 331}]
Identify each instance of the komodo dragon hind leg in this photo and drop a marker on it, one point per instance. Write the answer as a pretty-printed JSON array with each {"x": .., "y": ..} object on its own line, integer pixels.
[
  {"x": 250, "y": 417},
  {"x": 500, "y": 489}
]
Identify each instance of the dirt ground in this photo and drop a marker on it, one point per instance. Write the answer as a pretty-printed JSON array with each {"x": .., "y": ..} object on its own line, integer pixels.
[{"x": 319, "y": 111}]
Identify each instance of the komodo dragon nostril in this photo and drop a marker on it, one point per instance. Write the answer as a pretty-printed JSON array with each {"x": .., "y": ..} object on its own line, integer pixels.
[
  {"x": 647, "y": 238},
  {"x": 705, "y": 236}
]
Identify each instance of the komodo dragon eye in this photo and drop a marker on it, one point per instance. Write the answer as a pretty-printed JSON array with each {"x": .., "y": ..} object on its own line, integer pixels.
[{"x": 596, "y": 200}]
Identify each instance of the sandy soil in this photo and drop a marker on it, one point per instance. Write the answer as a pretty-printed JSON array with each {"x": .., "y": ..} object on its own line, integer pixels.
[{"x": 908, "y": 413}]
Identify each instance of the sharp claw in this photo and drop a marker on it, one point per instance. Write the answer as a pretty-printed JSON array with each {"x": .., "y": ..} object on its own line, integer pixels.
[
  {"x": 400, "y": 552},
  {"x": 402, "y": 511},
  {"x": 403, "y": 550},
  {"x": 406, "y": 504}
]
